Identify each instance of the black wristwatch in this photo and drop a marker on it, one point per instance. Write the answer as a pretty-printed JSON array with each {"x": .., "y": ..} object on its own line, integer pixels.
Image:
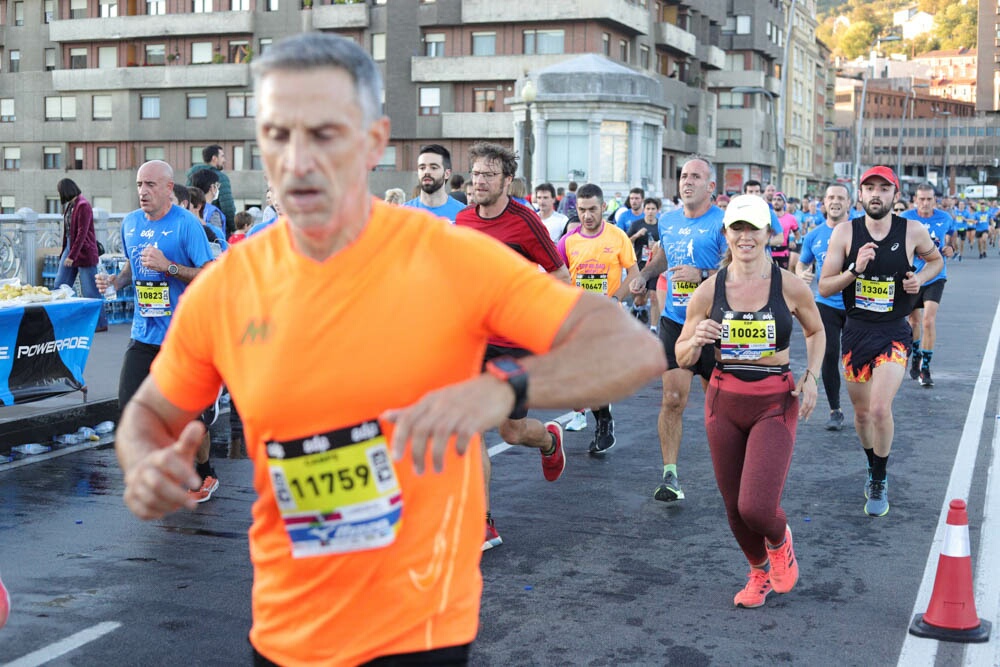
[
  {"x": 510, "y": 371},
  {"x": 705, "y": 274},
  {"x": 853, "y": 271}
]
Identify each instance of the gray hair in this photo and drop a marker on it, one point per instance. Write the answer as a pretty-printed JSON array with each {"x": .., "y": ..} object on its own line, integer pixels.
[
  {"x": 926, "y": 187},
  {"x": 316, "y": 50},
  {"x": 712, "y": 176}
]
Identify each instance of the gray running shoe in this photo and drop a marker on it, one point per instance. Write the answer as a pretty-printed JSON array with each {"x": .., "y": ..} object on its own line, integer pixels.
[
  {"x": 836, "y": 420},
  {"x": 868, "y": 483},
  {"x": 669, "y": 490},
  {"x": 878, "y": 498}
]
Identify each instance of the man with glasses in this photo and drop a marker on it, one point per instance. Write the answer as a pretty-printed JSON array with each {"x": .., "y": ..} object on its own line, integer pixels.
[
  {"x": 518, "y": 226},
  {"x": 923, "y": 319}
]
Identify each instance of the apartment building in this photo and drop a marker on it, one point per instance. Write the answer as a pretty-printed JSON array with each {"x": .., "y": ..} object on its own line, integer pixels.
[
  {"x": 988, "y": 64},
  {"x": 93, "y": 88}
]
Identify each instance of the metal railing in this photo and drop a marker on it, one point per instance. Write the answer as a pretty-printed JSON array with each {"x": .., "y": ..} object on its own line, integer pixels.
[{"x": 26, "y": 237}]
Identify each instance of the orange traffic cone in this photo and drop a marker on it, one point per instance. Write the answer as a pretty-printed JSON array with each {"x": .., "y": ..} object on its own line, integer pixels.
[{"x": 951, "y": 615}]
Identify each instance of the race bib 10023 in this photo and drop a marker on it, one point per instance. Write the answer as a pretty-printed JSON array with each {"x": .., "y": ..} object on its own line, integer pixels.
[{"x": 747, "y": 335}]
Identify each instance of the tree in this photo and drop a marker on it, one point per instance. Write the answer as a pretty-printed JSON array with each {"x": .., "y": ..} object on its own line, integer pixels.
[
  {"x": 956, "y": 26},
  {"x": 857, "y": 39},
  {"x": 923, "y": 44}
]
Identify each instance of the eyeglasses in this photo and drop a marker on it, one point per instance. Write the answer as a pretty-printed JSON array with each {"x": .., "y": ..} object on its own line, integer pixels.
[{"x": 485, "y": 175}]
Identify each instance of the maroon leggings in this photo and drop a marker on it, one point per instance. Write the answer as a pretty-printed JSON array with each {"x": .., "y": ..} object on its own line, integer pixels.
[{"x": 751, "y": 434}]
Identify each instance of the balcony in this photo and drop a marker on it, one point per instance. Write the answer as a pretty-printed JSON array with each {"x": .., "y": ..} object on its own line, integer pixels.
[
  {"x": 140, "y": 27},
  {"x": 676, "y": 39},
  {"x": 626, "y": 15},
  {"x": 425, "y": 69},
  {"x": 334, "y": 17},
  {"x": 731, "y": 78},
  {"x": 477, "y": 125},
  {"x": 146, "y": 78},
  {"x": 712, "y": 56}
]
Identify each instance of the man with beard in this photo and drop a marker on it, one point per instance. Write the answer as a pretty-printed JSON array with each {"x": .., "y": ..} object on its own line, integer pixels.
[
  {"x": 870, "y": 261},
  {"x": 624, "y": 217},
  {"x": 434, "y": 170},
  {"x": 923, "y": 319},
  {"x": 831, "y": 308},
  {"x": 693, "y": 244},
  {"x": 494, "y": 213}
]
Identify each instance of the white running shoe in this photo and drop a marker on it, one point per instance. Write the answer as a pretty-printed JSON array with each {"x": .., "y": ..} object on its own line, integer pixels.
[{"x": 578, "y": 422}]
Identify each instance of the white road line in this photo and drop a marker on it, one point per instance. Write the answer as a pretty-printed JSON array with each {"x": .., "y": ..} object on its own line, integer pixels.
[
  {"x": 504, "y": 446},
  {"x": 987, "y": 587},
  {"x": 62, "y": 647},
  {"x": 918, "y": 650}
]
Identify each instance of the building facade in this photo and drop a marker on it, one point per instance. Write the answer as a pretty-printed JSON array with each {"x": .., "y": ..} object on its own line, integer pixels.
[{"x": 988, "y": 65}]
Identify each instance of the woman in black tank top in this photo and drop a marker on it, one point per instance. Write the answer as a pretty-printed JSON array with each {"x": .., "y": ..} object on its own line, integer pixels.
[{"x": 752, "y": 403}]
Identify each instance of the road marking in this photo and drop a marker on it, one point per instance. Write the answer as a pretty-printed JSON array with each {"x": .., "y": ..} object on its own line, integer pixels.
[
  {"x": 919, "y": 650},
  {"x": 504, "y": 446},
  {"x": 62, "y": 647}
]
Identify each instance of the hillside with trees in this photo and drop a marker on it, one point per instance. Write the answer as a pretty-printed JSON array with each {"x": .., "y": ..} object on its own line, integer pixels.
[{"x": 955, "y": 25}]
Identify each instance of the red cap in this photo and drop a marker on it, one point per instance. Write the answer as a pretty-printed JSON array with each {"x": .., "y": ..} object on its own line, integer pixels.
[{"x": 882, "y": 172}]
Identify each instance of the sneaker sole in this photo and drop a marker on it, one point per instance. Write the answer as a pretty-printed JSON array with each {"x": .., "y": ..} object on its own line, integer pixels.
[
  {"x": 668, "y": 495},
  {"x": 740, "y": 605},
  {"x": 208, "y": 496},
  {"x": 794, "y": 559},
  {"x": 876, "y": 515},
  {"x": 489, "y": 544},
  {"x": 555, "y": 429},
  {"x": 601, "y": 452},
  {"x": 834, "y": 427}
]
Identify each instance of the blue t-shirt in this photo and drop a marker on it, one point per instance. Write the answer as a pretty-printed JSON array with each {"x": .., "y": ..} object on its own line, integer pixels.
[
  {"x": 814, "y": 247},
  {"x": 210, "y": 212},
  {"x": 961, "y": 216},
  {"x": 939, "y": 226},
  {"x": 447, "y": 210},
  {"x": 696, "y": 242},
  {"x": 181, "y": 238},
  {"x": 983, "y": 220},
  {"x": 813, "y": 220},
  {"x": 625, "y": 220}
]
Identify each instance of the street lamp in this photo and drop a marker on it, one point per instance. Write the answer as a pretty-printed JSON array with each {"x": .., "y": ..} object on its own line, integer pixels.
[
  {"x": 779, "y": 151},
  {"x": 864, "y": 95},
  {"x": 528, "y": 94},
  {"x": 902, "y": 119},
  {"x": 944, "y": 168}
]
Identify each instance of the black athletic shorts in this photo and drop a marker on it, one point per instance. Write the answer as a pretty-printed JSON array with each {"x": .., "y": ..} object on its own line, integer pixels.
[
  {"x": 495, "y": 351},
  {"x": 669, "y": 331},
  {"x": 451, "y": 656},
  {"x": 930, "y": 292},
  {"x": 981, "y": 233},
  {"x": 135, "y": 369},
  {"x": 867, "y": 345}
]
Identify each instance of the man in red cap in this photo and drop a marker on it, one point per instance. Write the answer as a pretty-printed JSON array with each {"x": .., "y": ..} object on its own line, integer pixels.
[{"x": 870, "y": 261}]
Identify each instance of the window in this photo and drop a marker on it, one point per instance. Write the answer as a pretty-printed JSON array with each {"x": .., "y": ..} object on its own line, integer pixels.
[
  {"x": 567, "y": 145},
  {"x": 624, "y": 50},
  {"x": 50, "y": 59},
  {"x": 15, "y": 61},
  {"x": 484, "y": 43},
  {"x": 78, "y": 9},
  {"x": 430, "y": 101},
  {"x": 60, "y": 108},
  {"x": 109, "y": 8},
  {"x": 388, "y": 160},
  {"x": 239, "y": 52},
  {"x": 19, "y": 13},
  {"x": 156, "y": 54},
  {"x": 196, "y": 155},
  {"x": 78, "y": 58},
  {"x": 201, "y": 53},
  {"x": 606, "y": 44},
  {"x": 197, "y": 106},
  {"x": 49, "y": 10},
  {"x": 729, "y": 27},
  {"x": 107, "y": 57},
  {"x": 7, "y": 110},
  {"x": 240, "y": 105},
  {"x": 644, "y": 57},
  {"x": 434, "y": 44},
  {"x": 53, "y": 205},
  {"x": 735, "y": 62},
  {"x": 239, "y": 5},
  {"x": 11, "y": 158},
  {"x": 265, "y": 44},
  {"x": 378, "y": 46},
  {"x": 485, "y": 100},
  {"x": 101, "y": 202},
  {"x": 149, "y": 107},
  {"x": 743, "y": 24},
  {"x": 156, "y": 7},
  {"x": 650, "y": 152},
  {"x": 544, "y": 42},
  {"x": 201, "y": 6},
  {"x": 614, "y": 151},
  {"x": 52, "y": 157},
  {"x": 271, "y": 5},
  {"x": 154, "y": 153},
  {"x": 730, "y": 138},
  {"x": 729, "y": 100},
  {"x": 107, "y": 158},
  {"x": 102, "y": 107},
  {"x": 7, "y": 204},
  {"x": 255, "y": 161},
  {"x": 236, "y": 163}
]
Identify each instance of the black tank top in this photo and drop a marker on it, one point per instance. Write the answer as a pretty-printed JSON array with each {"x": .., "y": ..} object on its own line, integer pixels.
[
  {"x": 756, "y": 335},
  {"x": 877, "y": 294}
]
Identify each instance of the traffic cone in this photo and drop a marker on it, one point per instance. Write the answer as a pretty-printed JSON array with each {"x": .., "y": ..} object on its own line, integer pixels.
[{"x": 951, "y": 615}]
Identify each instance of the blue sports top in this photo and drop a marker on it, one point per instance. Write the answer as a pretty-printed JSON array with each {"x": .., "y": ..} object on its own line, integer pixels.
[
  {"x": 939, "y": 225},
  {"x": 696, "y": 242},
  {"x": 814, "y": 248}
]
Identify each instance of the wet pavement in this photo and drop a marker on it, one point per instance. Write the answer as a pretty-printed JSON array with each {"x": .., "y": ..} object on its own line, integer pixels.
[{"x": 592, "y": 570}]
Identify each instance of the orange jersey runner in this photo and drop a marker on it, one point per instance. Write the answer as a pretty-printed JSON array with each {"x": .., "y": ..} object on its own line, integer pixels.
[
  {"x": 596, "y": 262},
  {"x": 355, "y": 556}
]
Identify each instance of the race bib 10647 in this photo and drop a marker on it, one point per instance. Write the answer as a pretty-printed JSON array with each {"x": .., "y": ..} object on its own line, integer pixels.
[
  {"x": 593, "y": 282},
  {"x": 337, "y": 492}
]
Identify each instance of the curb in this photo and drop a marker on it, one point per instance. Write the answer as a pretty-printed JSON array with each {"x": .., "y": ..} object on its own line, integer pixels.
[{"x": 44, "y": 428}]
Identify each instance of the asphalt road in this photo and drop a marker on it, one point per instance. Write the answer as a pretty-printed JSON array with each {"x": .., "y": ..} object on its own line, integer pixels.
[{"x": 592, "y": 571}]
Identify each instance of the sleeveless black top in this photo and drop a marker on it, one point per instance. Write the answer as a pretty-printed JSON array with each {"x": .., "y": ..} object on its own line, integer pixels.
[
  {"x": 877, "y": 294},
  {"x": 751, "y": 336}
]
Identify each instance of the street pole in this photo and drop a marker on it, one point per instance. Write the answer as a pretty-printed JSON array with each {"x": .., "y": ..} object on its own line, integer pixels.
[
  {"x": 528, "y": 95},
  {"x": 779, "y": 118},
  {"x": 899, "y": 147}
]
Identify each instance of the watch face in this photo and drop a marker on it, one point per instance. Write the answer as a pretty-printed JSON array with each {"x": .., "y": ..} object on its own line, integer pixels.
[{"x": 507, "y": 365}]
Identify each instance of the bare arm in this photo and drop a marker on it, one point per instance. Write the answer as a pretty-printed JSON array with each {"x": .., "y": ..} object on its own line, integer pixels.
[
  {"x": 805, "y": 272},
  {"x": 656, "y": 265},
  {"x": 599, "y": 355},
  {"x": 835, "y": 277},
  {"x": 562, "y": 274},
  {"x": 630, "y": 275},
  {"x": 698, "y": 330},
  {"x": 800, "y": 301},
  {"x": 923, "y": 246}
]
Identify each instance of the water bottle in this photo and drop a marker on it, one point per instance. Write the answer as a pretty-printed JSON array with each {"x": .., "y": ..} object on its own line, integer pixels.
[
  {"x": 104, "y": 428},
  {"x": 88, "y": 433},
  {"x": 110, "y": 293}
]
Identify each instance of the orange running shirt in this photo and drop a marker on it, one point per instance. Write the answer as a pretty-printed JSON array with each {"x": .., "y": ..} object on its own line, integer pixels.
[
  {"x": 388, "y": 561},
  {"x": 596, "y": 262}
]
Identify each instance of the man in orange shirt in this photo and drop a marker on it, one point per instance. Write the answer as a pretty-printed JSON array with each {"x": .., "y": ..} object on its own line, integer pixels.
[
  {"x": 596, "y": 254},
  {"x": 344, "y": 406}
]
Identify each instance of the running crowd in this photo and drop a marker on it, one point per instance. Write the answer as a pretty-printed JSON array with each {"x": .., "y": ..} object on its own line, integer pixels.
[{"x": 366, "y": 437}]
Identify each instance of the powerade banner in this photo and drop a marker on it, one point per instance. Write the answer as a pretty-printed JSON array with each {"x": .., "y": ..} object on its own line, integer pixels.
[{"x": 44, "y": 348}]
